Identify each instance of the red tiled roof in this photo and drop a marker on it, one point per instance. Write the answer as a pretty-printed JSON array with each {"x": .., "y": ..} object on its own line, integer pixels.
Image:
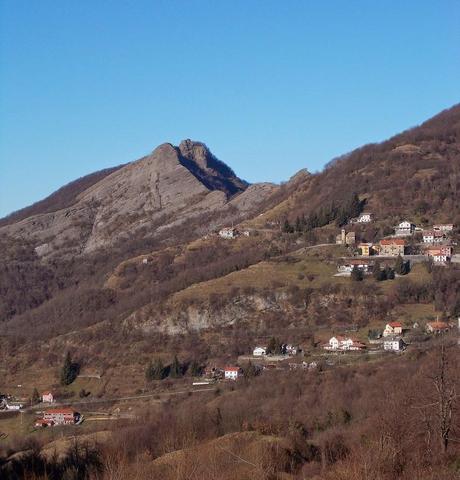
[
  {"x": 64, "y": 411},
  {"x": 395, "y": 324},
  {"x": 392, "y": 241},
  {"x": 437, "y": 325},
  {"x": 232, "y": 369}
]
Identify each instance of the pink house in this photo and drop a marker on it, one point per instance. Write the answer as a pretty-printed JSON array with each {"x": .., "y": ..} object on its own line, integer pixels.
[{"x": 47, "y": 397}]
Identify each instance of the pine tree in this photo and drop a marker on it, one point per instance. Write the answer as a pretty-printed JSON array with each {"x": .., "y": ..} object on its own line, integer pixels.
[
  {"x": 401, "y": 267},
  {"x": 155, "y": 370},
  {"x": 378, "y": 273},
  {"x": 35, "y": 397},
  {"x": 357, "y": 274},
  {"x": 389, "y": 273},
  {"x": 176, "y": 368},
  {"x": 195, "y": 369},
  {"x": 69, "y": 370},
  {"x": 273, "y": 346},
  {"x": 287, "y": 227}
]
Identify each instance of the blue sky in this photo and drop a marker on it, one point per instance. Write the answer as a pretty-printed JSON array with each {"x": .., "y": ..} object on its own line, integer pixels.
[{"x": 270, "y": 86}]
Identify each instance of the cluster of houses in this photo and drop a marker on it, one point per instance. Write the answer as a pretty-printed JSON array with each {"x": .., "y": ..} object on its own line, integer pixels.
[
  {"x": 286, "y": 349},
  {"x": 59, "y": 416},
  {"x": 435, "y": 244},
  {"x": 391, "y": 339},
  {"x": 7, "y": 403},
  {"x": 230, "y": 233}
]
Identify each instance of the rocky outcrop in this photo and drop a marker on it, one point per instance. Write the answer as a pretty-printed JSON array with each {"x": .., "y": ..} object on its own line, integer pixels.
[{"x": 154, "y": 194}]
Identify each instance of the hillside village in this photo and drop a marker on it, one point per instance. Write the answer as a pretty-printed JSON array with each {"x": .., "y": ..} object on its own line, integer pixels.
[
  {"x": 250, "y": 314},
  {"x": 393, "y": 256}
]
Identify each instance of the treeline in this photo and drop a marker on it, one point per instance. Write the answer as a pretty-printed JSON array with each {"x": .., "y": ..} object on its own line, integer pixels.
[
  {"x": 399, "y": 422},
  {"x": 338, "y": 213}
]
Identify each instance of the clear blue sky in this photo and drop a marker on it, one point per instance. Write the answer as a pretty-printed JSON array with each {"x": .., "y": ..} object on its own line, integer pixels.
[{"x": 270, "y": 86}]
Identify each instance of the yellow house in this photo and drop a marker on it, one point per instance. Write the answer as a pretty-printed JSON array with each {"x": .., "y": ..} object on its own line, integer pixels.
[{"x": 366, "y": 249}]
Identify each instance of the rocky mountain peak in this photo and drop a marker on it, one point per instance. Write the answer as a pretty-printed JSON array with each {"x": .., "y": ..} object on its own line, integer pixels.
[{"x": 212, "y": 172}]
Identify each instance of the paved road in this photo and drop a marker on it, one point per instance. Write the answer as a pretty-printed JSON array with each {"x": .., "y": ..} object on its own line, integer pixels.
[{"x": 125, "y": 398}]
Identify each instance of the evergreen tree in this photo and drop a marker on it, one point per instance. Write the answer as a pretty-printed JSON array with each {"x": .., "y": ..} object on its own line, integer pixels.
[
  {"x": 35, "y": 397},
  {"x": 287, "y": 227},
  {"x": 389, "y": 273},
  {"x": 378, "y": 273},
  {"x": 298, "y": 225},
  {"x": 274, "y": 346},
  {"x": 354, "y": 206},
  {"x": 401, "y": 267},
  {"x": 155, "y": 370},
  {"x": 357, "y": 274},
  {"x": 195, "y": 369},
  {"x": 69, "y": 370},
  {"x": 176, "y": 368},
  {"x": 250, "y": 370}
]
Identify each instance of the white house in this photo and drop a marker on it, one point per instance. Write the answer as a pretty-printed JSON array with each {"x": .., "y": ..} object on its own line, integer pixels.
[
  {"x": 404, "y": 229},
  {"x": 365, "y": 217},
  {"x": 232, "y": 373},
  {"x": 47, "y": 397},
  {"x": 440, "y": 254},
  {"x": 392, "y": 328},
  {"x": 291, "y": 349},
  {"x": 394, "y": 344},
  {"x": 443, "y": 227},
  {"x": 433, "y": 236},
  {"x": 343, "y": 343},
  {"x": 259, "y": 352},
  {"x": 228, "y": 232}
]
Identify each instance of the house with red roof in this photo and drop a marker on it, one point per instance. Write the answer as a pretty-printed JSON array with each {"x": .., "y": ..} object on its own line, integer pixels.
[
  {"x": 437, "y": 327},
  {"x": 232, "y": 373},
  {"x": 440, "y": 253},
  {"x": 340, "y": 343},
  {"x": 393, "y": 328},
  {"x": 59, "y": 416},
  {"x": 392, "y": 247}
]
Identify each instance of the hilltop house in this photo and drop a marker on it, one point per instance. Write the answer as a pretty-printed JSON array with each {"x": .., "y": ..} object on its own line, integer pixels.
[
  {"x": 392, "y": 247},
  {"x": 365, "y": 217},
  {"x": 443, "y": 227},
  {"x": 232, "y": 373},
  {"x": 47, "y": 397},
  {"x": 340, "y": 343},
  {"x": 228, "y": 233},
  {"x": 404, "y": 229},
  {"x": 439, "y": 254},
  {"x": 437, "y": 327},
  {"x": 394, "y": 344},
  {"x": 433, "y": 236},
  {"x": 259, "y": 352},
  {"x": 393, "y": 328}
]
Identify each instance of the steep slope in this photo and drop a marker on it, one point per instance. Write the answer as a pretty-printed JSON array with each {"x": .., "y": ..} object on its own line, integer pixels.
[
  {"x": 156, "y": 193},
  {"x": 62, "y": 198},
  {"x": 415, "y": 174}
]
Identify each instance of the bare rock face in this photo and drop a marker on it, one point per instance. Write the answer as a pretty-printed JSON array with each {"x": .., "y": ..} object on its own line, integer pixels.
[{"x": 155, "y": 193}]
